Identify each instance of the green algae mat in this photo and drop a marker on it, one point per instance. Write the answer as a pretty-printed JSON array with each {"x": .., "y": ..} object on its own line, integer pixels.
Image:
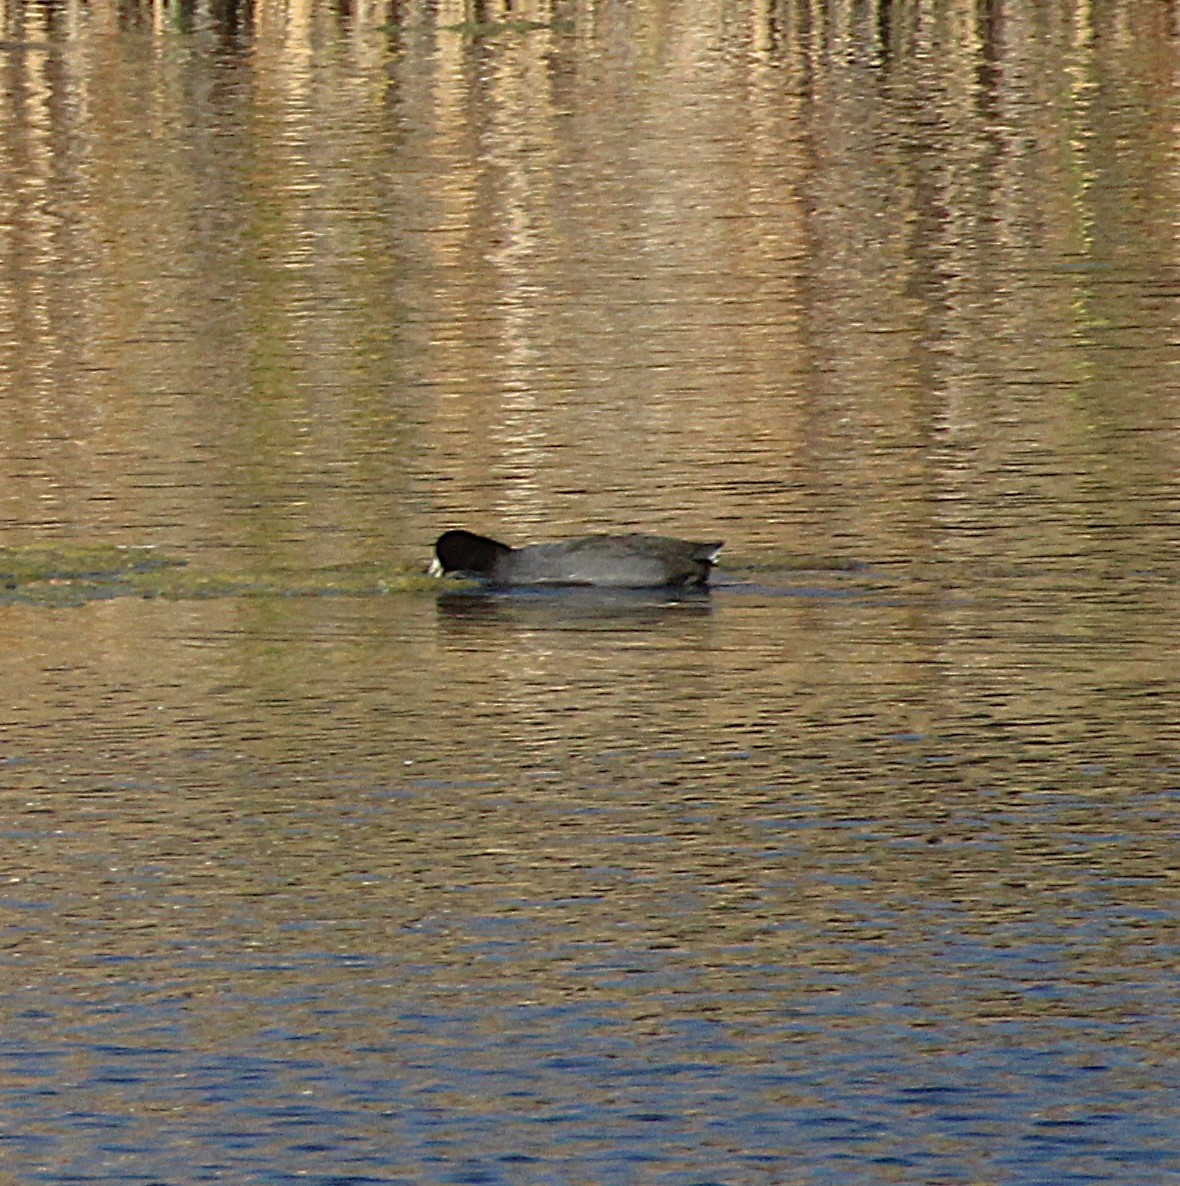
[{"x": 73, "y": 574}]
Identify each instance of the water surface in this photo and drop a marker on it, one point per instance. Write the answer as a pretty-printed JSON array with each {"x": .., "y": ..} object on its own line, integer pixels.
[{"x": 860, "y": 869}]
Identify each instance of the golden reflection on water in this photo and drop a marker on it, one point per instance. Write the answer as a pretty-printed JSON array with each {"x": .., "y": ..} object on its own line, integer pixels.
[
  {"x": 400, "y": 743},
  {"x": 619, "y": 269}
]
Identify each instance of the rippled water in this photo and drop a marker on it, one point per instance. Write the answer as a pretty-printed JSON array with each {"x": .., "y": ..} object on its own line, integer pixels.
[
  {"x": 861, "y": 868},
  {"x": 827, "y": 883}
]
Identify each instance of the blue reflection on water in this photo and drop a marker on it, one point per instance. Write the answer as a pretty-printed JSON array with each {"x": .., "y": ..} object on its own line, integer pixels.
[{"x": 847, "y": 1083}]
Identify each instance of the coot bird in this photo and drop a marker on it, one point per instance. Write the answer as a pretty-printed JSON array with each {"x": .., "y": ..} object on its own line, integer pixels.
[{"x": 608, "y": 561}]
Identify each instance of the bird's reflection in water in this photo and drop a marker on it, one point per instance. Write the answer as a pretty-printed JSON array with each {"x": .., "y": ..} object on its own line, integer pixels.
[{"x": 575, "y": 608}]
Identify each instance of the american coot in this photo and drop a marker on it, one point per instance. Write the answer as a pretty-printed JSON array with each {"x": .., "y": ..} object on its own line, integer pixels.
[{"x": 609, "y": 561}]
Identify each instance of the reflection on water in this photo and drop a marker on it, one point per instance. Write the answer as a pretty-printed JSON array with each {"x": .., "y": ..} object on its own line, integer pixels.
[
  {"x": 574, "y": 609},
  {"x": 847, "y": 873}
]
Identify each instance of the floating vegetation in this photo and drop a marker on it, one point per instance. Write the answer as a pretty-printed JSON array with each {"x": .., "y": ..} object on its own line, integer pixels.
[
  {"x": 73, "y": 574},
  {"x": 345, "y": 581},
  {"x": 58, "y": 562}
]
